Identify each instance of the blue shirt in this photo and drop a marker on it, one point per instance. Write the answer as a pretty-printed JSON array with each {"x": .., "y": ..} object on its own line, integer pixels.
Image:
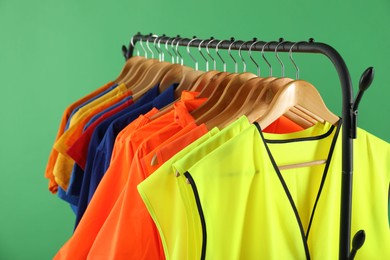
[
  {"x": 96, "y": 117},
  {"x": 98, "y": 134},
  {"x": 74, "y": 183},
  {"x": 98, "y": 162}
]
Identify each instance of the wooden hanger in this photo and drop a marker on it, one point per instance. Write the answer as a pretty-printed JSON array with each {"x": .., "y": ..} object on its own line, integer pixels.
[
  {"x": 174, "y": 75},
  {"x": 203, "y": 80},
  {"x": 241, "y": 103},
  {"x": 236, "y": 103},
  {"x": 151, "y": 78},
  {"x": 219, "y": 86},
  {"x": 251, "y": 99},
  {"x": 301, "y": 95},
  {"x": 130, "y": 64},
  {"x": 137, "y": 73},
  {"x": 187, "y": 80},
  {"x": 231, "y": 89},
  {"x": 213, "y": 83},
  {"x": 265, "y": 97}
]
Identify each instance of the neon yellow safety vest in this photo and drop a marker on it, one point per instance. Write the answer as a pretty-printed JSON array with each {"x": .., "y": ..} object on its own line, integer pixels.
[{"x": 251, "y": 207}]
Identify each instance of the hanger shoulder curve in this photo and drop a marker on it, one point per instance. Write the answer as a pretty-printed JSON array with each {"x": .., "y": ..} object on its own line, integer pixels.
[{"x": 297, "y": 93}]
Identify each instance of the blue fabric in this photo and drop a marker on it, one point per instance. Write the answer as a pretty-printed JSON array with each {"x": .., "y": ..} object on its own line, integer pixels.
[
  {"x": 77, "y": 173},
  {"x": 97, "y": 136},
  {"x": 89, "y": 101},
  {"x": 96, "y": 117},
  {"x": 98, "y": 161}
]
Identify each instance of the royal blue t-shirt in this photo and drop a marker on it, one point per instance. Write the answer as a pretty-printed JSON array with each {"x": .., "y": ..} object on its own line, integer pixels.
[
  {"x": 98, "y": 115},
  {"x": 98, "y": 162},
  {"x": 98, "y": 134}
]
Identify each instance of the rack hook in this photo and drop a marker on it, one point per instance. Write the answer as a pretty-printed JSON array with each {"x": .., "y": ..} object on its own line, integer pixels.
[
  {"x": 357, "y": 242},
  {"x": 364, "y": 83}
]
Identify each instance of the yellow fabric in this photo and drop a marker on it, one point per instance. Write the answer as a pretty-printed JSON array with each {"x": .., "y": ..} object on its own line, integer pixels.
[
  {"x": 161, "y": 194},
  {"x": 249, "y": 216},
  {"x": 64, "y": 164}
]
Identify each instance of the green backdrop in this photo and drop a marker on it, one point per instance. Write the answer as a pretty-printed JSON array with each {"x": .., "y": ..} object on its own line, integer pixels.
[{"x": 53, "y": 52}]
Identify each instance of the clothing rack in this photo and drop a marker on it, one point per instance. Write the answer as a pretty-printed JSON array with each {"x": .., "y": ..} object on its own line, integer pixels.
[{"x": 349, "y": 109}]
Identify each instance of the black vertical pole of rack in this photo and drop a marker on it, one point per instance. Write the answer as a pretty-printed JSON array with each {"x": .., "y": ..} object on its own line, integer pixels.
[{"x": 347, "y": 113}]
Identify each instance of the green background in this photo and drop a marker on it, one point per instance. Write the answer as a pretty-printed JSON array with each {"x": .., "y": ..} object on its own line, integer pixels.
[{"x": 53, "y": 52}]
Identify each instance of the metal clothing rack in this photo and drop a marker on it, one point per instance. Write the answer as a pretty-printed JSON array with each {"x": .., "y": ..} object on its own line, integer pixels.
[{"x": 349, "y": 110}]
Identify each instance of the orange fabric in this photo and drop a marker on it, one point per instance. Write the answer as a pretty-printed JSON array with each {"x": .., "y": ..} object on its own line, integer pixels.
[
  {"x": 283, "y": 125},
  {"x": 129, "y": 222},
  {"x": 53, "y": 186},
  {"x": 112, "y": 185},
  {"x": 64, "y": 164},
  {"x": 170, "y": 148}
]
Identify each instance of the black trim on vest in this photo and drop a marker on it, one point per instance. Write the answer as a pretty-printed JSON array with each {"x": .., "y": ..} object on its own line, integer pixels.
[
  {"x": 331, "y": 150},
  {"x": 301, "y": 139},
  {"x": 200, "y": 211}
]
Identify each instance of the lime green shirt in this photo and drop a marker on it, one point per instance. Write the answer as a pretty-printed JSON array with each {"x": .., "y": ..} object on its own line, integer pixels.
[{"x": 249, "y": 209}]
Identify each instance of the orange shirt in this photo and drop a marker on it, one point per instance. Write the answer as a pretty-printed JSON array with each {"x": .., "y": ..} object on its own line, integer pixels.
[
  {"x": 129, "y": 222},
  {"x": 53, "y": 186},
  {"x": 169, "y": 148},
  {"x": 111, "y": 186},
  {"x": 283, "y": 125},
  {"x": 109, "y": 189}
]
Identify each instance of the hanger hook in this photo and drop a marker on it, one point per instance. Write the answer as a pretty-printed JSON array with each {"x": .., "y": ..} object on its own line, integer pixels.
[
  {"x": 132, "y": 44},
  {"x": 240, "y": 54},
  {"x": 231, "y": 56},
  {"x": 173, "y": 48},
  {"x": 208, "y": 52},
  {"x": 265, "y": 59},
  {"x": 166, "y": 48},
  {"x": 292, "y": 60},
  {"x": 157, "y": 47},
  {"x": 147, "y": 44},
  {"x": 201, "y": 53},
  {"x": 143, "y": 48},
  {"x": 177, "y": 50},
  {"x": 250, "y": 56},
  {"x": 216, "y": 49},
  {"x": 281, "y": 41},
  {"x": 189, "y": 53}
]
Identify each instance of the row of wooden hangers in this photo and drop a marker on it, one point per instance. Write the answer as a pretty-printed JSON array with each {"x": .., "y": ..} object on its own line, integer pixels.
[{"x": 229, "y": 95}]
